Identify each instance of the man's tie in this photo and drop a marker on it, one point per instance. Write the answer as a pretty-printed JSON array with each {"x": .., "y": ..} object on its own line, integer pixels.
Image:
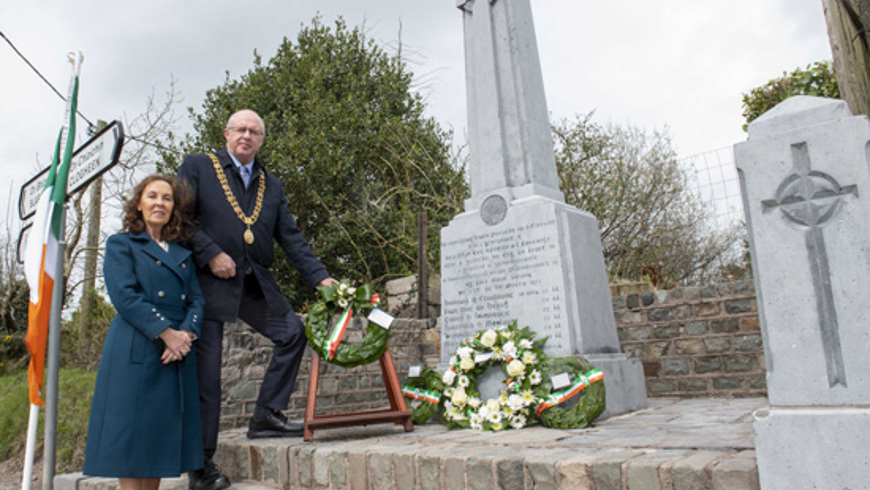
[{"x": 246, "y": 175}]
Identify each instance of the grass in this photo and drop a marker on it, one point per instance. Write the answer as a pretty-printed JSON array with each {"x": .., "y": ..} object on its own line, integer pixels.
[{"x": 75, "y": 391}]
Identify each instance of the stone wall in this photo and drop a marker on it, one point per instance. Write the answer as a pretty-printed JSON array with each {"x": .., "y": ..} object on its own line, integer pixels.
[
  {"x": 695, "y": 341},
  {"x": 692, "y": 341}
]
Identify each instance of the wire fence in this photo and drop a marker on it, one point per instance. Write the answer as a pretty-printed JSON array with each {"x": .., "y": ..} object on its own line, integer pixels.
[{"x": 713, "y": 175}]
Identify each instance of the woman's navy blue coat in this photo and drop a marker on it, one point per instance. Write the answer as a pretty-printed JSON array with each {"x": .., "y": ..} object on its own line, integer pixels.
[{"x": 144, "y": 419}]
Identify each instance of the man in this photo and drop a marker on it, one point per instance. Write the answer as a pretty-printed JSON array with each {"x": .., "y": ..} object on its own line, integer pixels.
[{"x": 239, "y": 209}]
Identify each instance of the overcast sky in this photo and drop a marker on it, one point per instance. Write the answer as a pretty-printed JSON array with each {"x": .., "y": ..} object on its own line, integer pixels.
[{"x": 676, "y": 64}]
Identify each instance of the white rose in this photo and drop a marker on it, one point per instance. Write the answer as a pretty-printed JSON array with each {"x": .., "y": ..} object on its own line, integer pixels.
[
  {"x": 515, "y": 402},
  {"x": 465, "y": 352},
  {"x": 516, "y": 368},
  {"x": 448, "y": 377},
  {"x": 459, "y": 398},
  {"x": 466, "y": 364},
  {"x": 488, "y": 338},
  {"x": 474, "y": 402}
]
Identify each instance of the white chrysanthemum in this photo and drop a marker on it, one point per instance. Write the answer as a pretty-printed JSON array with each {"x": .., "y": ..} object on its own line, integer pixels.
[
  {"x": 529, "y": 357},
  {"x": 497, "y": 426},
  {"x": 518, "y": 422},
  {"x": 505, "y": 332},
  {"x": 528, "y": 397},
  {"x": 535, "y": 377},
  {"x": 526, "y": 344},
  {"x": 515, "y": 368},
  {"x": 497, "y": 353},
  {"x": 506, "y": 411},
  {"x": 466, "y": 364},
  {"x": 448, "y": 392},
  {"x": 474, "y": 402},
  {"x": 503, "y": 398},
  {"x": 476, "y": 421},
  {"x": 488, "y": 338},
  {"x": 494, "y": 417},
  {"x": 342, "y": 302},
  {"x": 448, "y": 377},
  {"x": 484, "y": 411},
  {"x": 464, "y": 380}
]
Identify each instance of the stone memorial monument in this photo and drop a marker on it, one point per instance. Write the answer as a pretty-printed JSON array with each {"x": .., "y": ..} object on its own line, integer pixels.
[
  {"x": 518, "y": 251},
  {"x": 805, "y": 179}
]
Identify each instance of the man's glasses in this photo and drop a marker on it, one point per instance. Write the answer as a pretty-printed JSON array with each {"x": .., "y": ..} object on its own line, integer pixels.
[{"x": 243, "y": 130}]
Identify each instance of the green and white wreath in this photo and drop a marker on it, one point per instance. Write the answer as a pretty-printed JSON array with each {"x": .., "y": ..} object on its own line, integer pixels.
[
  {"x": 520, "y": 357},
  {"x": 424, "y": 392},
  {"x": 585, "y": 382},
  {"x": 347, "y": 300}
]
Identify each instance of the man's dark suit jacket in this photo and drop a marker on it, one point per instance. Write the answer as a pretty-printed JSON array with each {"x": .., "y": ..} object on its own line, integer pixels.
[{"x": 219, "y": 229}]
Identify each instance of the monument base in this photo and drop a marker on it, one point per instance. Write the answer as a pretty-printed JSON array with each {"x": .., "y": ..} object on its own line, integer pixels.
[
  {"x": 538, "y": 261},
  {"x": 624, "y": 382},
  {"x": 812, "y": 447}
]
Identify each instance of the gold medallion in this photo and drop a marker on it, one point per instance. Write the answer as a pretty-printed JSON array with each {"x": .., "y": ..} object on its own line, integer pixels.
[{"x": 248, "y": 235}]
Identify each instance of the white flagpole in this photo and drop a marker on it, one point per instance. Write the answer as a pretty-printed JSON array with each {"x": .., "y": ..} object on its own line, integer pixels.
[{"x": 30, "y": 450}]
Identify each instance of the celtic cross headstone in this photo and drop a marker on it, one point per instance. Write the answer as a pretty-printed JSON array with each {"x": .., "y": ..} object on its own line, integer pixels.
[{"x": 805, "y": 178}]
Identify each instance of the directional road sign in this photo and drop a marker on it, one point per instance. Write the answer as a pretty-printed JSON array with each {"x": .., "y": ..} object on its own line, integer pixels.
[{"x": 97, "y": 155}]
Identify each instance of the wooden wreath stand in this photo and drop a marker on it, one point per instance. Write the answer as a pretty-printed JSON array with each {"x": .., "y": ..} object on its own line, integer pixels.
[{"x": 398, "y": 412}]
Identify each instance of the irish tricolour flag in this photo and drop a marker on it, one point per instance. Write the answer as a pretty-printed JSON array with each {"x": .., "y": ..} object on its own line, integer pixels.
[{"x": 43, "y": 263}]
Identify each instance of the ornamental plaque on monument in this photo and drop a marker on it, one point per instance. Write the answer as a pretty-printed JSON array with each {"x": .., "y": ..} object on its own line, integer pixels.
[
  {"x": 518, "y": 251},
  {"x": 804, "y": 175}
]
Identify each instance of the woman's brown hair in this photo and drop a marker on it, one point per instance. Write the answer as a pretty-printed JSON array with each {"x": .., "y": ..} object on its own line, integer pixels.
[{"x": 179, "y": 226}]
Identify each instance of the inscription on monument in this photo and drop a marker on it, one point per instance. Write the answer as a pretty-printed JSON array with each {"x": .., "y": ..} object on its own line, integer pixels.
[{"x": 500, "y": 274}]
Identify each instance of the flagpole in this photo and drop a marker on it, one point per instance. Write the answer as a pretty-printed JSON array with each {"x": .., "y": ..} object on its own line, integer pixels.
[
  {"x": 30, "y": 450},
  {"x": 52, "y": 365}
]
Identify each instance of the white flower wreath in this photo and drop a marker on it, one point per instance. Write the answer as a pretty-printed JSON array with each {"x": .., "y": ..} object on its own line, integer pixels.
[{"x": 519, "y": 356}]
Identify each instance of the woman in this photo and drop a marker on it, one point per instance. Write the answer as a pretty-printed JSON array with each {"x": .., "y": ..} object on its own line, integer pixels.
[{"x": 144, "y": 421}]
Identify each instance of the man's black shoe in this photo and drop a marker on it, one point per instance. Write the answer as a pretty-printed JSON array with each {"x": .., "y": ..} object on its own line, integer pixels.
[
  {"x": 208, "y": 478},
  {"x": 271, "y": 423}
]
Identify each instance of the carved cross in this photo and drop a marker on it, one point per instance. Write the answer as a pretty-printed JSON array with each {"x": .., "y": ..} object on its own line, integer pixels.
[{"x": 809, "y": 199}]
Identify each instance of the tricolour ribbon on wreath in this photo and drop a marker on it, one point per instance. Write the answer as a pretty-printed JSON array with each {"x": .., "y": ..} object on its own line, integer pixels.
[
  {"x": 582, "y": 382},
  {"x": 341, "y": 327},
  {"x": 421, "y": 394}
]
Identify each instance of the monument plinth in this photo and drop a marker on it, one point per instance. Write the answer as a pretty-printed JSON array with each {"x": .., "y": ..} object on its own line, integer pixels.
[{"x": 518, "y": 251}]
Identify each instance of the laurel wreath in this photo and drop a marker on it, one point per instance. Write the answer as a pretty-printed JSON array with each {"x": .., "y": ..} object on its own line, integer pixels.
[
  {"x": 590, "y": 404},
  {"x": 518, "y": 354},
  {"x": 336, "y": 299},
  {"x": 422, "y": 410}
]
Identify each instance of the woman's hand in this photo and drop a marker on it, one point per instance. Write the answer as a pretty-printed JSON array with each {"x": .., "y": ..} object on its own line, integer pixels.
[{"x": 178, "y": 344}]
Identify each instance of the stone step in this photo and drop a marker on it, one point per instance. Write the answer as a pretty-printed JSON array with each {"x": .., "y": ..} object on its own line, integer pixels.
[
  {"x": 672, "y": 445},
  {"x": 77, "y": 481}
]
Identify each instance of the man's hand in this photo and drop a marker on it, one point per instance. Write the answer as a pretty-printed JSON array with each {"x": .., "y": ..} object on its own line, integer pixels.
[
  {"x": 223, "y": 266},
  {"x": 327, "y": 282}
]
